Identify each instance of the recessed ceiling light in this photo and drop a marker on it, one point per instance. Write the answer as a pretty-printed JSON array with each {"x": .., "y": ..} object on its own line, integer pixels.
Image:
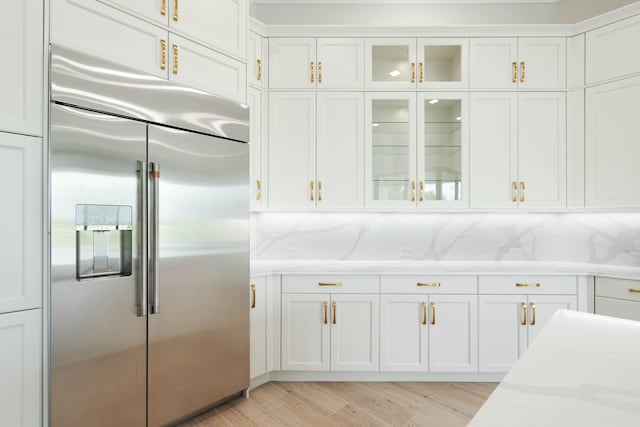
[
  {"x": 459, "y": 118},
  {"x": 394, "y": 73},
  {"x": 375, "y": 124},
  {"x": 434, "y": 101}
]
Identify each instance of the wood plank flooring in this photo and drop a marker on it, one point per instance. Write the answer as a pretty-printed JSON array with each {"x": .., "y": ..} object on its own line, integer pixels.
[{"x": 310, "y": 404}]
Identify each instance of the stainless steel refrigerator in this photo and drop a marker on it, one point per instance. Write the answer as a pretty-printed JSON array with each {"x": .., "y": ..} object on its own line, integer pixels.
[{"x": 149, "y": 227}]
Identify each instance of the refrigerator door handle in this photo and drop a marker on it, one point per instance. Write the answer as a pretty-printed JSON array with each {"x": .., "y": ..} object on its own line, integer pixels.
[
  {"x": 142, "y": 254},
  {"x": 154, "y": 174}
]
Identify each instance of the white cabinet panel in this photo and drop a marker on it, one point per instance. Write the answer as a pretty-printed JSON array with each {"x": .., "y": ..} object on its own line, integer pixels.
[
  {"x": 453, "y": 333},
  {"x": 493, "y": 63},
  {"x": 305, "y": 332},
  {"x": 21, "y": 368},
  {"x": 542, "y": 148},
  {"x": 575, "y": 149},
  {"x": 292, "y": 63},
  {"x": 340, "y": 150},
  {"x": 575, "y": 61},
  {"x": 404, "y": 333},
  {"x": 194, "y": 65},
  {"x": 156, "y": 10},
  {"x": 502, "y": 331},
  {"x": 624, "y": 309},
  {"x": 493, "y": 159},
  {"x": 21, "y": 76},
  {"x": 102, "y": 31},
  {"x": 221, "y": 24},
  {"x": 611, "y": 144},
  {"x": 21, "y": 243},
  {"x": 340, "y": 63},
  {"x": 254, "y": 101},
  {"x": 292, "y": 157},
  {"x": 256, "y": 60},
  {"x": 258, "y": 331},
  {"x": 354, "y": 332},
  {"x": 542, "y": 62},
  {"x": 543, "y": 307}
]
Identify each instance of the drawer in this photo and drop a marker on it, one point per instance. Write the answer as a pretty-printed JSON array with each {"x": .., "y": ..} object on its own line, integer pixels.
[
  {"x": 429, "y": 284},
  {"x": 529, "y": 284},
  {"x": 618, "y": 288},
  {"x": 327, "y": 283},
  {"x": 618, "y": 308}
]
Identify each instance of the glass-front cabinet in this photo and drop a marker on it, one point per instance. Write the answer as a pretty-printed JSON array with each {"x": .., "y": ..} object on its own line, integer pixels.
[
  {"x": 390, "y": 63},
  {"x": 417, "y": 153},
  {"x": 442, "y": 62}
]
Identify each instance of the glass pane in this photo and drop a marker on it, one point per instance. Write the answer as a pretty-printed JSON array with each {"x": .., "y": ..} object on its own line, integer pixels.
[
  {"x": 442, "y": 63},
  {"x": 442, "y": 149},
  {"x": 390, "y": 149},
  {"x": 391, "y": 64}
]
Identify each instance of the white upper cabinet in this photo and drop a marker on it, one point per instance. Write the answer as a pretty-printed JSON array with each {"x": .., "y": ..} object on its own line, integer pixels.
[
  {"x": 442, "y": 62},
  {"x": 21, "y": 243},
  {"x": 611, "y": 144},
  {"x": 221, "y": 24},
  {"x": 21, "y": 76},
  {"x": 256, "y": 60},
  {"x": 254, "y": 101},
  {"x": 525, "y": 63},
  {"x": 340, "y": 63},
  {"x": 609, "y": 51},
  {"x": 155, "y": 10},
  {"x": 390, "y": 63}
]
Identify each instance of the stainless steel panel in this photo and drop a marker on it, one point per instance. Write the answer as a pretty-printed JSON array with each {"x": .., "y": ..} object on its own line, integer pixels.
[
  {"x": 199, "y": 342},
  {"x": 98, "y": 343},
  {"x": 89, "y": 82}
]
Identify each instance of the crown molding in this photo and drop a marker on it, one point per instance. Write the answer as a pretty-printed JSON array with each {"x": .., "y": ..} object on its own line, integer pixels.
[
  {"x": 387, "y": 2},
  {"x": 607, "y": 18}
]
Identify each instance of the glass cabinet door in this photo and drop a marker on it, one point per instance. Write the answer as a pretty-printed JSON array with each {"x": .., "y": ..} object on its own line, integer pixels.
[
  {"x": 442, "y": 149},
  {"x": 390, "y": 63},
  {"x": 442, "y": 62},
  {"x": 391, "y": 149}
]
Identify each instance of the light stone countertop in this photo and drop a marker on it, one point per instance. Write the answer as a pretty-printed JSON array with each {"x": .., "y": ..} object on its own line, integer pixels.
[{"x": 581, "y": 370}]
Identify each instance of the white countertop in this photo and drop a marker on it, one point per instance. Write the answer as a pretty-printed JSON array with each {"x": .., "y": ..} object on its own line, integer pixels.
[
  {"x": 581, "y": 370},
  {"x": 440, "y": 267}
]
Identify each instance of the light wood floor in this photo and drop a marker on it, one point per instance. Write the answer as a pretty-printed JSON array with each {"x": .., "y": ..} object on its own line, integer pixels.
[{"x": 301, "y": 404}]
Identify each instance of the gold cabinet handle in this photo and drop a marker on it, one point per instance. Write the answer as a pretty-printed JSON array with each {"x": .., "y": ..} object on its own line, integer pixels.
[
  {"x": 163, "y": 8},
  {"x": 421, "y": 72},
  {"x": 319, "y": 72},
  {"x": 521, "y": 71},
  {"x": 422, "y": 191},
  {"x": 253, "y": 295},
  {"x": 335, "y": 312},
  {"x": 522, "y": 195},
  {"x": 413, "y": 72},
  {"x": 259, "y": 190},
  {"x": 413, "y": 191},
  {"x": 528, "y": 285},
  {"x": 433, "y": 312},
  {"x": 424, "y": 313},
  {"x": 259, "y": 76},
  {"x": 524, "y": 313},
  {"x": 433, "y": 284},
  {"x": 634, "y": 291},
  {"x": 514, "y": 77},
  {"x": 175, "y": 59},
  {"x": 311, "y": 188},
  {"x": 325, "y": 305},
  {"x": 515, "y": 192},
  {"x": 163, "y": 54},
  {"x": 533, "y": 314},
  {"x": 319, "y": 186},
  {"x": 336, "y": 284},
  {"x": 175, "y": 10},
  {"x": 313, "y": 72}
]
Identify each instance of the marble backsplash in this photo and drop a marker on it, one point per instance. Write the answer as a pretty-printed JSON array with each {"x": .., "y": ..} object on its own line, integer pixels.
[{"x": 596, "y": 238}]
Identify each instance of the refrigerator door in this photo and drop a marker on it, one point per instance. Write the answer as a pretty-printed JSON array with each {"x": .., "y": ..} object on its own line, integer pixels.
[
  {"x": 98, "y": 332},
  {"x": 199, "y": 329}
]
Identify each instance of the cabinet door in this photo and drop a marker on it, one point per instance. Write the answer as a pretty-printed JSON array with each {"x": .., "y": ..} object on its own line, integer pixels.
[
  {"x": 453, "y": 333},
  {"x": 292, "y": 149},
  {"x": 443, "y": 62},
  {"x": 193, "y": 64},
  {"x": 404, "y": 333},
  {"x": 258, "y": 322},
  {"x": 21, "y": 368},
  {"x": 543, "y": 307},
  {"x": 542, "y": 63},
  {"x": 156, "y": 10},
  {"x": 21, "y": 81},
  {"x": 618, "y": 308},
  {"x": 390, "y": 149},
  {"x": 542, "y": 148},
  {"x": 390, "y": 63},
  {"x": 340, "y": 150},
  {"x": 493, "y": 150},
  {"x": 292, "y": 63},
  {"x": 305, "y": 332},
  {"x": 502, "y": 331},
  {"x": 254, "y": 101},
  {"x": 611, "y": 144},
  {"x": 355, "y": 332},
  {"x": 493, "y": 63},
  {"x": 255, "y": 60},
  {"x": 21, "y": 243},
  {"x": 107, "y": 33},
  {"x": 221, "y": 24},
  {"x": 340, "y": 63}
]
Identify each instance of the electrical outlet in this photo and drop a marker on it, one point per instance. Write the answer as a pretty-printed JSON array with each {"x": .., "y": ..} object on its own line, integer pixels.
[
  {"x": 635, "y": 258},
  {"x": 293, "y": 252},
  {"x": 515, "y": 252},
  {"x": 406, "y": 252}
]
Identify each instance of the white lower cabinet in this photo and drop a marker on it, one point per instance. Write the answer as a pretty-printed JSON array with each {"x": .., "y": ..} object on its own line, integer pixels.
[
  {"x": 453, "y": 333},
  {"x": 21, "y": 368},
  {"x": 258, "y": 329},
  {"x": 354, "y": 332},
  {"x": 404, "y": 333}
]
